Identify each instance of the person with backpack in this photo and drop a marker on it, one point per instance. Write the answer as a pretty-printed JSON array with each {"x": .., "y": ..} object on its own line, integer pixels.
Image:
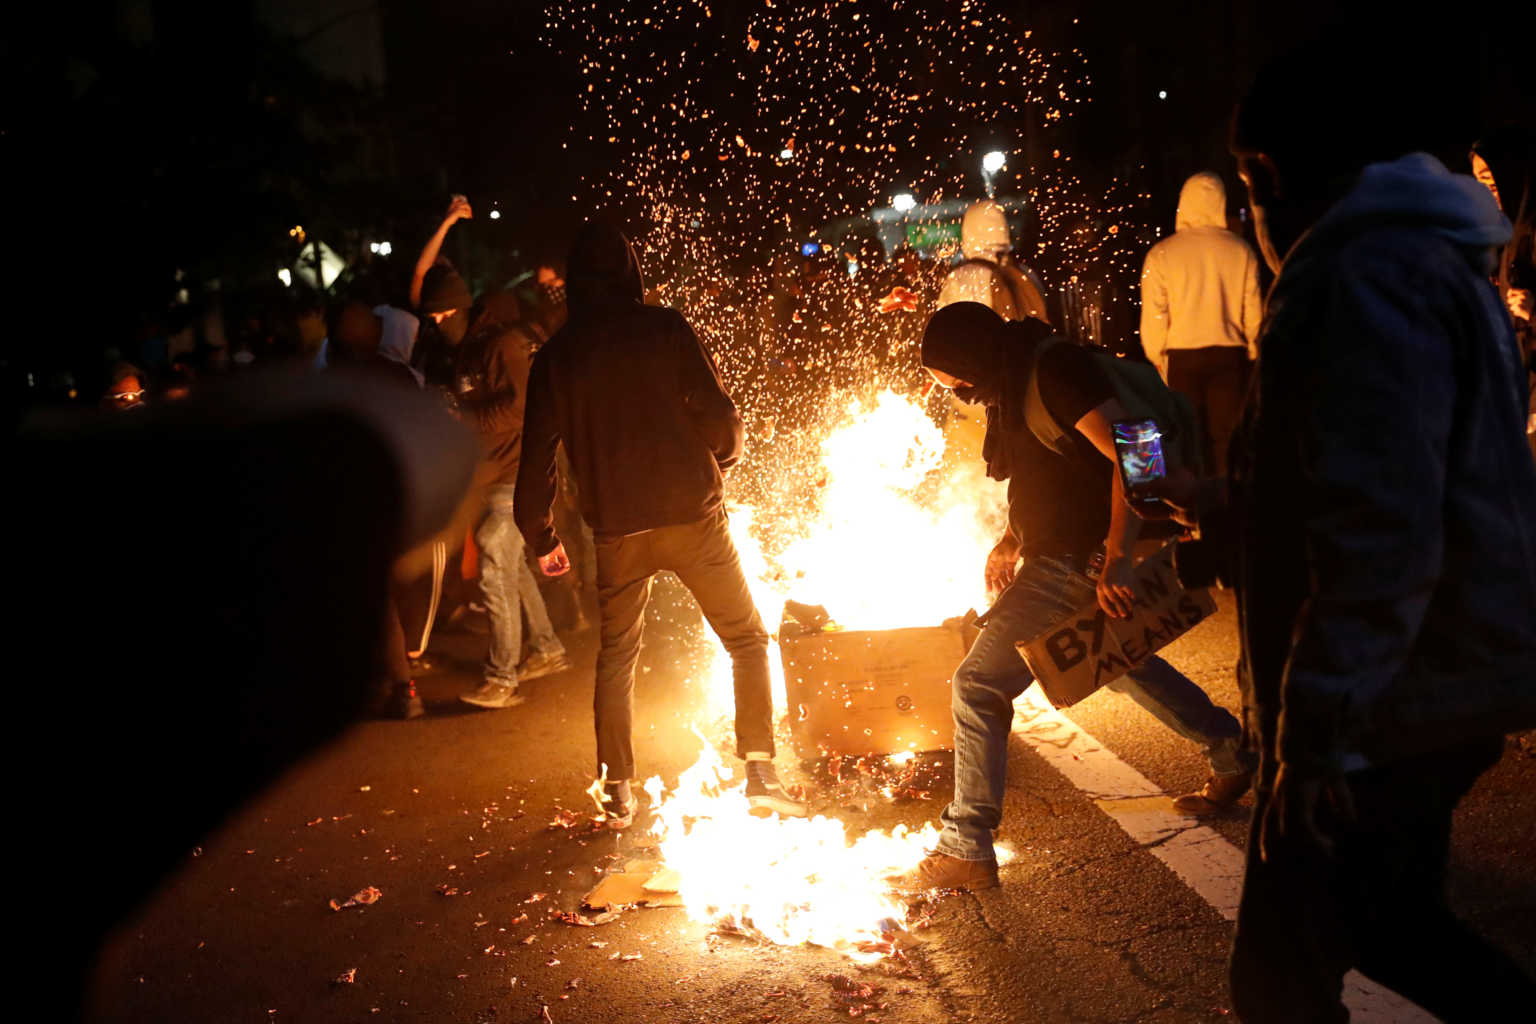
[{"x": 1065, "y": 503}]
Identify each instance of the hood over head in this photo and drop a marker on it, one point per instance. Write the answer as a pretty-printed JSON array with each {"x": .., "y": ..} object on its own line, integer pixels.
[
  {"x": 969, "y": 341},
  {"x": 443, "y": 291},
  {"x": 1418, "y": 190},
  {"x": 1202, "y": 202},
  {"x": 984, "y": 231},
  {"x": 603, "y": 268}
]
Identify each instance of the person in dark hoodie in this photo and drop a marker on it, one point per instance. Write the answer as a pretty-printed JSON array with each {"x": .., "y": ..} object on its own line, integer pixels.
[
  {"x": 1062, "y": 509},
  {"x": 630, "y": 392},
  {"x": 1379, "y": 511}
]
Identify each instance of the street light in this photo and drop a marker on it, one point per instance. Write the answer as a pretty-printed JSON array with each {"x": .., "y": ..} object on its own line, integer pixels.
[
  {"x": 993, "y": 162},
  {"x": 903, "y": 201},
  {"x": 495, "y": 215},
  {"x": 285, "y": 276}
]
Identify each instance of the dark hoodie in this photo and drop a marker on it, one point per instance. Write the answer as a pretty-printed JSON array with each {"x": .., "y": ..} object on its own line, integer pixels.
[
  {"x": 635, "y": 399},
  {"x": 1387, "y": 565}
]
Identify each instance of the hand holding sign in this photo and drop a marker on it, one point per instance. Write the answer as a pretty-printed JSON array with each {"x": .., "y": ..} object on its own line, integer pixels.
[{"x": 1117, "y": 588}]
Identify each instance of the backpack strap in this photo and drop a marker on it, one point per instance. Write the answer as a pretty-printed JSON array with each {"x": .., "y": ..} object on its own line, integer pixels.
[{"x": 1036, "y": 415}]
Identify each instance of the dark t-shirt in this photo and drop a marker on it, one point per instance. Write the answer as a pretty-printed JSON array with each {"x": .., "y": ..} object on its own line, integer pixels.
[{"x": 1059, "y": 504}]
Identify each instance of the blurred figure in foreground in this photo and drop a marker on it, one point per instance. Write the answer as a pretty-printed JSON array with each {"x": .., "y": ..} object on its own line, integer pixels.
[
  {"x": 630, "y": 392},
  {"x": 320, "y": 484},
  {"x": 1384, "y": 546},
  {"x": 1200, "y": 312}
]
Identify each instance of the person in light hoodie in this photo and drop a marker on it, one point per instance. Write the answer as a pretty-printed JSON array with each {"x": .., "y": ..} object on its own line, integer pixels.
[{"x": 1200, "y": 311}]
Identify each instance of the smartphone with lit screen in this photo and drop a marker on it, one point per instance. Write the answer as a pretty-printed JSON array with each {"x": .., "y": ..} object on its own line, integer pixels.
[{"x": 1139, "y": 455}]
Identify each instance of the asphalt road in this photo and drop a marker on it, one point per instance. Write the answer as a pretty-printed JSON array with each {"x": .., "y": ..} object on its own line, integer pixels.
[{"x": 449, "y": 817}]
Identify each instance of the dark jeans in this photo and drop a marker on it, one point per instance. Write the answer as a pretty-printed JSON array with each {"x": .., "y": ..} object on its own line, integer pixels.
[
  {"x": 704, "y": 558},
  {"x": 1378, "y": 905},
  {"x": 1215, "y": 380}
]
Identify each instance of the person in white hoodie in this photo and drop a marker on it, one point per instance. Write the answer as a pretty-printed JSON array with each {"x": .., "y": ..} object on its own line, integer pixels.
[{"x": 1200, "y": 312}]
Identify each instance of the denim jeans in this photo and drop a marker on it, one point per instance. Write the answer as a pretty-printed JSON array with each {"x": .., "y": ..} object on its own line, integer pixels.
[
  {"x": 510, "y": 592},
  {"x": 705, "y": 560},
  {"x": 993, "y": 675}
]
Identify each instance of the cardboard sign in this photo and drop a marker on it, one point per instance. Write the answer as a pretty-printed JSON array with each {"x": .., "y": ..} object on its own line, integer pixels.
[
  {"x": 872, "y": 691},
  {"x": 1088, "y": 649}
]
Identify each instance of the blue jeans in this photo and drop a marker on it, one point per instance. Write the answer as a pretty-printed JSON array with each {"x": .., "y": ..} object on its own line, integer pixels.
[
  {"x": 510, "y": 592},
  {"x": 993, "y": 675}
]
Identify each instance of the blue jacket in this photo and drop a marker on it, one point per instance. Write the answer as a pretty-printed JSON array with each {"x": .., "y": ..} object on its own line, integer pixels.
[{"x": 1385, "y": 499}]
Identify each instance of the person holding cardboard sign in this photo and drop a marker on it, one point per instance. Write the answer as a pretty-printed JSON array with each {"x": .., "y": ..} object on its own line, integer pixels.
[{"x": 1065, "y": 502}]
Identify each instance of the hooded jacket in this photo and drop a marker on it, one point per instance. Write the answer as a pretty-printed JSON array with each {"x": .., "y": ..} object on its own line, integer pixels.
[
  {"x": 1386, "y": 564},
  {"x": 1200, "y": 285},
  {"x": 632, "y": 395}
]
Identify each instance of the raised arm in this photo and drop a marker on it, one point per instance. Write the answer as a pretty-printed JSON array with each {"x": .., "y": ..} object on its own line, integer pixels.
[{"x": 458, "y": 208}]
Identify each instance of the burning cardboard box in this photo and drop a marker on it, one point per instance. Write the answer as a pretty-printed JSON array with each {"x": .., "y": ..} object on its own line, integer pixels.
[{"x": 869, "y": 691}]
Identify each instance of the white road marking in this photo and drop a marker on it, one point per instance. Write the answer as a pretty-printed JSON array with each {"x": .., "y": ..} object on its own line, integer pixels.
[{"x": 1199, "y": 855}]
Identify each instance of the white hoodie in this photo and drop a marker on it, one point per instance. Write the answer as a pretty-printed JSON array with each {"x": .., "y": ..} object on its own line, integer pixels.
[{"x": 1200, "y": 286}]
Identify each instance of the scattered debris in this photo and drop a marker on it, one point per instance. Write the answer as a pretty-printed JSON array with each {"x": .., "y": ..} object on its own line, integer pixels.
[
  {"x": 573, "y": 984},
  {"x": 361, "y": 898},
  {"x": 856, "y": 997},
  {"x": 544, "y": 1014},
  {"x": 447, "y": 890},
  {"x": 627, "y": 956},
  {"x": 537, "y": 897},
  {"x": 553, "y": 962},
  {"x": 346, "y": 977},
  {"x": 597, "y": 945},
  {"x": 566, "y": 819},
  {"x": 571, "y": 917}
]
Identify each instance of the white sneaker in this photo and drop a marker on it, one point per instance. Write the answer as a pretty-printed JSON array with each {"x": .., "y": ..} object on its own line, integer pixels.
[
  {"x": 767, "y": 796},
  {"x": 493, "y": 695}
]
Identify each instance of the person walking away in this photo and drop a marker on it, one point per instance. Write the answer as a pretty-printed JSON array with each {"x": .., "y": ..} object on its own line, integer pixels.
[
  {"x": 1200, "y": 311},
  {"x": 493, "y": 363},
  {"x": 1384, "y": 550},
  {"x": 1062, "y": 508},
  {"x": 630, "y": 393}
]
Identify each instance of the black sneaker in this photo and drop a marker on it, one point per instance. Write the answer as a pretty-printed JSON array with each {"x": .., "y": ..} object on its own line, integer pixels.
[
  {"x": 404, "y": 702},
  {"x": 618, "y": 805},
  {"x": 766, "y": 795}
]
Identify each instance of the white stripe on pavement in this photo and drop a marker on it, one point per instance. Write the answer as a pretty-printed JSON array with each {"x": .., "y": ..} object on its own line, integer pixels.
[{"x": 1202, "y": 859}]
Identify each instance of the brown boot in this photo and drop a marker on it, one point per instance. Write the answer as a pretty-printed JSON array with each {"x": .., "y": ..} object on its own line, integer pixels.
[
  {"x": 1219, "y": 793},
  {"x": 941, "y": 871}
]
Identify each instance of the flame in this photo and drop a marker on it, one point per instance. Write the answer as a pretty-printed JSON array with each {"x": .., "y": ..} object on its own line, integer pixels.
[
  {"x": 897, "y": 537},
  {"x": 790, "y": 881}
]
